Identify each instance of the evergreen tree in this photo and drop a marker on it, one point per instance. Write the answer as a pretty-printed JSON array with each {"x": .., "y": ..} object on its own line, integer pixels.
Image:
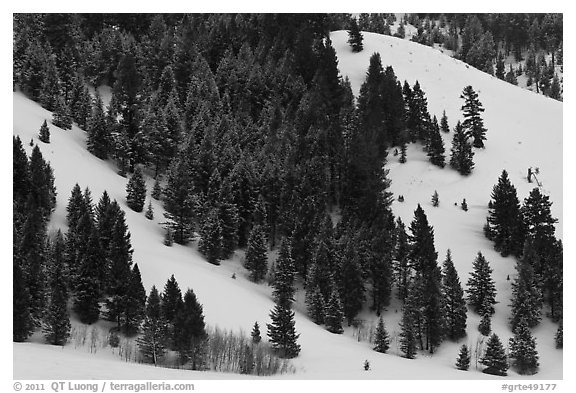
[
  {"x": 506, "y": 226},
  {"x": 136, "y": 191},
  {"x": 526, "y": 294},
  {"x": 135, "y": 306},
  {"x": 481, "y": 288},
  {"x": 463, "y": 361},
  {"x": 402, "y": 158},
  {"x": 151, "y": 343},
  {"x": 409, "y": 326},
  {"x": 171, "y": 300},
  {"x": 56, "y": 327},
  {"x": 473, "y": 124},
  {"x": 485, "y": 326},
  {"x": 556, "y": 89},
  {"x": 558, "y": 337},
  {"x": 381, "y": 340},
  {"x": 20, "y": 171},
  {"x": 190, "y": 332},
  {"x": 44, "y": 134},
  {"x": 42, "y": 189},
  {"x": 99, "y": 140},
  {"x": 22, "y": 323},
  {"x": 149, "y": 211},
  {"x": 500, "y": 66},
  {"x": 351, "y": 284},
  {"x": 168, "y": 238},
  {"x": 210, "y": 244},
  {"x": 355, "y": 37},
  {"x": 402, "y": 268},
  {"x": 284, "y": 275},
  {"x": 523, "y": 350},
  {"x": 156, "y": 190},
  {"x": 61, "y": 117},
  {"x": 435, "y": 201},
  {"x": 256, "y": 337},
  {"x": 444, "y": 127},
  {"x": 418, "y": 118},
  {"x": 89, "y": 287},
  {"x": 256, "y": 258},
  {"x": 454, "y": 303},
  {"x": 436, "y": 148},
  {"x": 495, "y": 358},
  {"x": 334, "y": 313},
  {"x": 179, "y": 201},
  {"x": 461, "y": 153},
  {"x": 281, "y": 332},
  {"x": 316, "y": 305},
  {"x": 511, "y": 76}
]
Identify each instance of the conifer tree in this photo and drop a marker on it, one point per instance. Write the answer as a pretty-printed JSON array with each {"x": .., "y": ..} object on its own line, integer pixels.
[
  {"x": 190, "y": 332},
  {"x": 99, "y": 140},
  {"x": 316, "y": 305},
  {"x": 284, "y": 275},
  {"x": 402, "y": 158},
  {"x": 506, "y": 226},
  {"x": 418, "y": 118},
  {"x": 485, "y": 326},
  {"x": 22, "y": 323},
  {"x": 473, "y": 124},
  {"x": 435, "y": 201},
  {"x": 523, "y": 350},
  {"x": 463, "y": 361},
  {"x": 481, "y": 288},
  {"x": 511, "y": 76},
  {"x": 256, "y": 258},
  {"x": 436, "y": 148},
  {"x": 61, "y": 117},
  {"x": 402, "y": 268},
  {"x": 210, "y": 244},
  {"x": 500, "y": 67},
  {"x": 44, "y": 134},
  {"x": 149, "y": 211},
  {"x": 355, "y": 37},
  {"x": 168, "y": 238},
  {"x": 409, "y": 326},
  {"x": 454, "y": 303},
  {"x": 444, "y": 127},
  {"x": 229, "y": 224},
  {"x": 171, "y": 299},
  {"x": 135, "y": 306},
  {"x": 20, "y": 171},
  {"x": 179, "y": 200},
  {"x": 382, "y": 339},
  {"x": 526, "y": 294},
  {"x": 56, "y": 326},
  {"x": 351, "y": 284},
  {"x": 136, "y": 191},
  {"x": 494, "y": 358},
  {"x": 558, "y": 337},
  {"x": 282, "y": 333},
  {"x": 89, "y": 287},
  {"x": 156, "y": 190},
  {"x": 334, "y": 313},
  {"x": 461, "y": 157},
  {"x": 256, "y": 337},
  {"x": 151, "y": 343}
]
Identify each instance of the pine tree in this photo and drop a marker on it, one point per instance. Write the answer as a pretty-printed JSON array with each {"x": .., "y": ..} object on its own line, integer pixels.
[
  {"x": 56, "y": 323},
  {"x": 284, "y": 275},
  {"x": 463, "y": 362},
  {"x": 256, "y": 258},
  {"x": 316, "y": 305},
  {"x": 61, "y": 117},
  {"x": 168, "y": 238},
  {"x": 454, "y": 303},
  {"x": 171, "y": 299},
  {"x": 558, "y": 337},
  {"x": 44, "y": 134},
  {"x": 435, "y": 201},
  {"x": 402, "y": 268},
  {"x": 506, "y": 226},
  {"x": 282, "y": 333},
  {"x": 190, "y": 332},
  {"x": 136, "y": 191},
  {"x": 99, "y": 140},
  {"x": 179, "y": 200},
  {"x": 210, "y": 244},
  {"x": 473, "y": 124},
  {"x": 149, "y": 211},
  {"x": 500, "y": 66},
  {"x": 382, "y": 339},
  {"x": 351, "y": 284},
  {"x": 481, "y": 288},
  {"x": 461, "y": 157},
  {"x": 355, "y": 37},
  {"x": 436, "y": 147},
  {"x": 22, "y": 323},
  {"x": 135, "y": 306},
  {"x": 444, "y": 127},
  {"x": 523, "y": 350},
  {"x": 151, "y": 343},
  {"x": 526, "y": 294},
  {"x": 156, "y": 190},
  {"x": 256, "y": 337},
  {"x": 89, "y": 287},
  {"x": 409, "y": 327},
  {"x": 494, "y": 358},
  {"x": 556, "y": 89},
  {"x": 334, "y": 313},
  {"x": 485, "y": 326}
]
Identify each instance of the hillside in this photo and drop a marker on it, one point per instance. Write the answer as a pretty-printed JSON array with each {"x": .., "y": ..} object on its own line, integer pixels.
[{"x": 524, "y": 130}]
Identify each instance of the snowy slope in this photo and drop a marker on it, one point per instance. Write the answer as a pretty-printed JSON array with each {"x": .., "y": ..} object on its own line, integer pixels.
[{"x": 237, "y": 304}]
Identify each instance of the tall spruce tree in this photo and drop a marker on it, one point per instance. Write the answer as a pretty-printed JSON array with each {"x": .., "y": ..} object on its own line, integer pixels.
[
  {"x": 255, "y": 334},
  {"x": 381, "y": 339},
  {"x": 523, "y": 350},
  {"x": 190, "y": 332},
  {"x": 352, "y": 284},
  {"x": 282, "y": 333},
  {"x": 135, "y": 302},
  {"x": 485, "y": 326},
  {"x": 316, "y": 305},
  {"x": 402, "y": 268},
  {"x": 454, "y": 303},
  {"x": 44, "y": 133},
  {"x": 444, "y": 127},
  {"x": 151, "y": 343},
  {"x": 461, "y": 156},
  {"x": 256, "y": 258},
  {"x": 56, "y": 323},
  {"x": 410, "y": 326},
  {"x": 284, "y": 275},
  {"x": 473, "y": 124},
  {"x": 179, "y": 200},
  {"x": 481, "y": 288},
  {"x": 436, "y": 148},
  {"x": 22, "y": 323},
  {"x": 88, "y": 286},
  {"x": 355, "y": 37},
  {"x": 211, "y": 239},
  {"x": 62, "y": 117},
  {"x": 334, "y": 313},
  {"x": 99, "y": 140},
  {"x": 494, "y": 357},
  {"x": 463, "y": 361},
  {"x": 136, "y": 191},
  {"x": 526, "y": 294}
]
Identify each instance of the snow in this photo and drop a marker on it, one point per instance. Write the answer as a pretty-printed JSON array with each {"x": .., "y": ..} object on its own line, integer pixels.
[{"x": 524, "y": 129}]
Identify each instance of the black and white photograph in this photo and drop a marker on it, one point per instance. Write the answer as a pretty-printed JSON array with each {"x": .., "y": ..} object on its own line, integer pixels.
[{"x": 288, "y": 196}]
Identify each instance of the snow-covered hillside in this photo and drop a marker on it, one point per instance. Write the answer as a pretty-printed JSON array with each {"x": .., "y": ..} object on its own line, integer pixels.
[{"x": 524, "y": 130}]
